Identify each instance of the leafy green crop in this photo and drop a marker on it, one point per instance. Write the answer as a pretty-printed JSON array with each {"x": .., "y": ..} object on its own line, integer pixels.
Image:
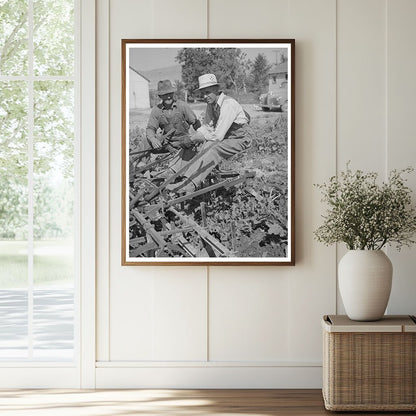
[{"x": 249, "y": 219}]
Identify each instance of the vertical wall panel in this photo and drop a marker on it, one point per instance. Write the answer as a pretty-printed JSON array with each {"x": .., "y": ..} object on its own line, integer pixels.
[
  {"x": 312, "y": 25},
  {"x": 312, "y": 283},
  {"x": 401, "y": 142},
  {"x": 361, "y": 89},
  {"x": 180, "y": 308},
  {"x": 159, "y": 316},
  {"x": 131, "y": 316},
  {"x": 361, "y": 84},
  {"x": 140, "y": 328},
  {"x": 248, "y": 314},
  {"x": 179, "y": 19},
  {"x": 103, "y": 191},
  {"x": 248, "y": 306},
  {"x": 238, "y": 19}
]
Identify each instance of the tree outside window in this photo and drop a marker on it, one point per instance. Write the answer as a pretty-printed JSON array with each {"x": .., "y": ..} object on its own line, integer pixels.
[{"x": 37, "y": 125}]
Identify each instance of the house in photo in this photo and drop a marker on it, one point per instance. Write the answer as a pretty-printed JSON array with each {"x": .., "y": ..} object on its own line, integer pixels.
[
  {"x": 276, "y": 96},
  {"x": 139, "y": 90},
  {"x": 277, "y": 74}
]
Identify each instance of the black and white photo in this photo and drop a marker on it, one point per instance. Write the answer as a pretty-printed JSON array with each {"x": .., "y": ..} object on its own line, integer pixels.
[{"x": 208, "y": 152}]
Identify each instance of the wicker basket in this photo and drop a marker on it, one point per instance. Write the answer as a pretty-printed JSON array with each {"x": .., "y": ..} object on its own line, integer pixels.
[{"x": 369, "y": 366}]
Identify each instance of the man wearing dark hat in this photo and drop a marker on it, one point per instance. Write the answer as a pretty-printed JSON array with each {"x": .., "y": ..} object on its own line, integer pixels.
[
  {"x": 171, "y": 116},
  {"x": 224, "y": 133}
]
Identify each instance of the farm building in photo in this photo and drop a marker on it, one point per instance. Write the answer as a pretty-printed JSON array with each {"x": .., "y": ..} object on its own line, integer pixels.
[
  {"x": 278, "y": 73},
  {"x": 139, "y": 90}
]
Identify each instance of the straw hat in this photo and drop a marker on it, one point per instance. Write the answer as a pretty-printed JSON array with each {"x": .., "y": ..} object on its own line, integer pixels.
[{"x": 206, "y": 80}]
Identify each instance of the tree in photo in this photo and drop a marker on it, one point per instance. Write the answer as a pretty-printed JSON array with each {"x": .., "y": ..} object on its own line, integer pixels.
[
  {"x": 228, "y": 64},
  {"x": 259, "y": 74},
  {"x": 180, "y": 89}
]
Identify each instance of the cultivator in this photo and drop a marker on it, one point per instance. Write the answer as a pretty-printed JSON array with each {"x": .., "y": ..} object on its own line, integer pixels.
[{"x": 163, "y": 223}]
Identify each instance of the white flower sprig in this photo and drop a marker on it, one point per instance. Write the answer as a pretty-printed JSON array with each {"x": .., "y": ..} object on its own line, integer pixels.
[{"x": 365, "y": 215}]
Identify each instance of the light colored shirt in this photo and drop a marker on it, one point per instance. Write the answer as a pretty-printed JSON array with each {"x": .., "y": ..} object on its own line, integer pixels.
[{"x": 230, "y": 112}]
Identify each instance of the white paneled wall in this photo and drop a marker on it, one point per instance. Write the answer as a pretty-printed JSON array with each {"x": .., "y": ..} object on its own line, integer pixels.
[
  {"x": 361, "y": 84},
  {"x": 254, "y": 319},
  {"x": 401, "y": 131},
  {"x": 163, "y": 316},
  {"x": 240, "y": 19},
  {"x": 254, "y": 326},
  {"x": 361, "y": 88}
]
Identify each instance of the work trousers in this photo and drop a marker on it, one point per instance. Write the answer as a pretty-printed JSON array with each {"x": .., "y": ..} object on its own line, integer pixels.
[{"x": 237, "y": 139}]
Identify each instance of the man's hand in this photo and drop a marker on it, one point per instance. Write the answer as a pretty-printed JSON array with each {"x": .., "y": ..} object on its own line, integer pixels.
[
  {"x": 170, "y": 148},
  {"x": 155, "y": 142},
  {"x": 186, "y": 143},
  {"x": 197, "y": 138},
  {"x": 181, "y": 141}
]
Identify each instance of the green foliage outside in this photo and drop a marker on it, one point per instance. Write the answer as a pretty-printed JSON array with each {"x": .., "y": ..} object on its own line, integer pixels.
[
  {"x": 53, "y": 263},
  {"x": 364, "y": 214},
  {"x": 53, "y": 37},
  {"x": 13, "y": 37},
  {"x": 53, "y": 119}
]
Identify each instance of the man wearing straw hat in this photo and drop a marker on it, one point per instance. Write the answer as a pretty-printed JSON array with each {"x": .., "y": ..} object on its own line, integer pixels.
[
  {"x": 224, "y": 133},
  {"x": 170, "y": 116}
]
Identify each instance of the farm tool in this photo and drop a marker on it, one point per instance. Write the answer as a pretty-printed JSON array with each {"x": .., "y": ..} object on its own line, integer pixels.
[
  {"x": 166, "y": 149},
  {"x": 160, "y": 225},
  {"x": 160, "y": 243},
  {"x": 146, "y": 198}
]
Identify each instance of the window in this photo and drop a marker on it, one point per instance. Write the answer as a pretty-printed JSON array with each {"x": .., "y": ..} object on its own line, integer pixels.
[{"x": 38, "y": 184}]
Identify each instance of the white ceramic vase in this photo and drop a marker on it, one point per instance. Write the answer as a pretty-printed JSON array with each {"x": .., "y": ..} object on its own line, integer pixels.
[{"x": 364, "y": 278}]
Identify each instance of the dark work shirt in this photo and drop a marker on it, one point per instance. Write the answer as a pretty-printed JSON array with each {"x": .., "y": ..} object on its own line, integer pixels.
[{"x": 179, "y": 117}]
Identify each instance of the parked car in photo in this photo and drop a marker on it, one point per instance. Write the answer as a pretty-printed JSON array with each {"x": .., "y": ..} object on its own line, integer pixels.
[
  {"x": 275, "y": 99},
  {"x": 276, "y": 96}
]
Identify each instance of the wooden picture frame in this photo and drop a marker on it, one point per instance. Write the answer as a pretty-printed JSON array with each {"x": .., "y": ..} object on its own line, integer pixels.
[{"x": 208, "y": 182}]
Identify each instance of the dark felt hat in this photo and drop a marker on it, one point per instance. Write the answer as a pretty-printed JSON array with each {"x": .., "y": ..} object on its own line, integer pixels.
[{"x": 164, "y": 87}]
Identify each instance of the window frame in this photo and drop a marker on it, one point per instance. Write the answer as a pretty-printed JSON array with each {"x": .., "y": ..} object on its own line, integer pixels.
[{"x": 81, "y": 371}]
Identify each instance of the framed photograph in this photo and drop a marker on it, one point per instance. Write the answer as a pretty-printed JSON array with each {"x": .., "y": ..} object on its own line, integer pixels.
[{"x": 208, "y": 135}]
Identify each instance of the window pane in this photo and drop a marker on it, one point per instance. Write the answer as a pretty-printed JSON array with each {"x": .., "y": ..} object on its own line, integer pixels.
[
  {"x": 54, "y": 127},
  {"x": 13, "y": 184},
  {"x": 13, "y": 323},
  {"x": 53, "y": 197},
  {"x": 13, "y": 37},
  {"x": 53, "y": 37},
  {"x": 13, "y": 130},
  {"x": 13, "y": 220},
  {"x": 53, "y": 180},
  {"x": 53, "y": 320}
]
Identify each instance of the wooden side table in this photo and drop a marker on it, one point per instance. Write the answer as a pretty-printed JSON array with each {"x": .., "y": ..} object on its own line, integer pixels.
[{"x": 369, "y": 366}]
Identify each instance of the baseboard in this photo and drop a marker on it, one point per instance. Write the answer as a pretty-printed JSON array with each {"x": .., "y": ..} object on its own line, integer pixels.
[{"x": 209, "y": 377}]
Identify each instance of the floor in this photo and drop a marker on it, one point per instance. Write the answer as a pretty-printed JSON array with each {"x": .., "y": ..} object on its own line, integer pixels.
[{"x": 166, "y": 402}]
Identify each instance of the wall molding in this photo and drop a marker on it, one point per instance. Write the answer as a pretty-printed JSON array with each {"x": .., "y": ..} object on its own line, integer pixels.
[
  {"x": 207, "y": 377},
  {"x": 204, "y": 364}
]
